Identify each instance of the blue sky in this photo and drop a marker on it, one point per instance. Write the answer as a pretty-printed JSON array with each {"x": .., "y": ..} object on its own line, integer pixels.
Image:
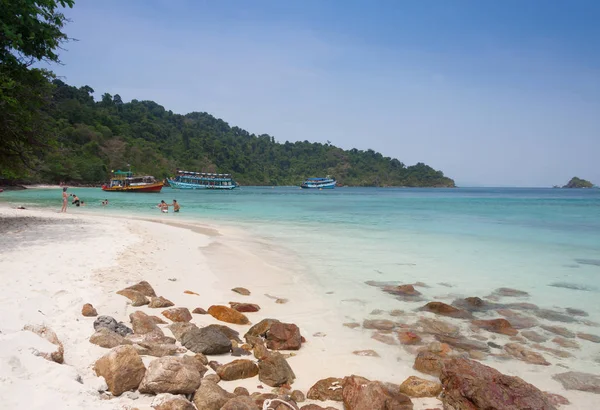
[{"x": 497, "y": 93}]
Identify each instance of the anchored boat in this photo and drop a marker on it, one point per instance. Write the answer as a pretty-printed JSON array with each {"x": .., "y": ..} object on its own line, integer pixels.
[
  {"x": 320, "y": 183},
  {"x": 201, "y": 180},
  {"x": 125, "y": 181}
]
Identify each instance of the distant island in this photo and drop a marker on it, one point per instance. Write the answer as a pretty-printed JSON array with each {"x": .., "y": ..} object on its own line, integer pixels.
[{"x": 578, "y": 183}]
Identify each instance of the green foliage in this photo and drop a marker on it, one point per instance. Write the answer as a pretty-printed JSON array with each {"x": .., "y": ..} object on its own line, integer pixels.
[{"x": 578, "y": 183}]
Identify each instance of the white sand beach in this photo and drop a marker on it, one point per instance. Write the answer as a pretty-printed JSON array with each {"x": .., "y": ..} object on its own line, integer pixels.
[{"x": 51, "y": 264}]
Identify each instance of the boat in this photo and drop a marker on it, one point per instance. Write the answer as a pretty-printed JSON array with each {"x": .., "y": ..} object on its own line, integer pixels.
[
  {"x": 319, "y": 183},
  {"x": 201, "y": 180},
  {"x": 125, "y": 181}
]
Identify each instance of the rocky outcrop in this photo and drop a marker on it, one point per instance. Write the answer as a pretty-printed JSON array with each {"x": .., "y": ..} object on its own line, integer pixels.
[
  {"x": 122, "y": 368},
  {"x": 244, "y": 307},
  {"x": 108, "y": 339},
  {"x": 501, "y": 326},
  {"x": 227, "y": 314},
  {"x": 284, "y": 336},
  {"x": 175, "y": 375},
  {"x": 160, "y": 302},
  {"x": 137, "y": 299},
  {"x": 579, "y": 381},
  {"x": 443, "y": 309},
  {"x": 274, "y": 370},
  {"x": 111, "y": 324},
  {"x": 326, "y": 389},
  {"x": 206, "y": 341},
  {"x": 180, "y": 314},
  {"x": 241, "y": 291},
  {"x": 167, "y": 401},
  {"x": 48, "y": 334},
  {"x": 416, "y": 387},
  {"x": 362, "y": 394},
  {"x": 238, "y": 369},
  {"x": 519, "y": 352},
  {"x": 210, "y": 396},
  {"x": 88, "y": 310}
]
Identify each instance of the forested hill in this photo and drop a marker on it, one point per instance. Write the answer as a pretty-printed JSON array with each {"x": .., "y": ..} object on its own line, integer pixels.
[{"x": 95, "y": 137}]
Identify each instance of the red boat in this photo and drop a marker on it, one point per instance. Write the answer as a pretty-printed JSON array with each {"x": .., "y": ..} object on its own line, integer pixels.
[{"x": 124, "y": 181}]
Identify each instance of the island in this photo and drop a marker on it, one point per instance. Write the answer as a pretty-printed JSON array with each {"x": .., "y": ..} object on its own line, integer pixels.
[{"x": 578, "y": 183}]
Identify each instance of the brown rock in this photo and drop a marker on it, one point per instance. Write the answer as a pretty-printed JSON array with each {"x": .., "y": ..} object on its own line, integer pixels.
[
  {"x": 534, "y": 336},
  {"x": 443, "y": 309},
  {"x": 501, "y": 326},
  {"x": 428, "y": 363},
  {"x": 521, "y": 353},
  {"x": 168, "y": 401},
  {"x": 233, "y": 335},
  {"x": 158, "y": 349},
  {"x": 361, "y": 394},
  {"x": 369, "y": 353},
  {"x": 48, "y": 334},
  {"x": 569, "y": 344},
  {"x": 352, "y": 325},
  {"x": 556, "y": 399},
  {"x": 275, "y": 371},
  {"x": 160, "y": 302},
  {"x": 402, "y": 290},
  {"x": 88, "y": 310},
  {"x": 284, "y": 336},
  {"x": 437, "y": 348},
  {"x": 227, "y": 314},
  {"x": 437, "y": 327},
  {"x": 144, "y": 288},
  {"x": 212, "y": 377},
  {"x": 240, "y": 403},
  {"x": 384, "y": 338},
  {"x": 241, "y": 291},
  {"x": 576, "y": 312},
  {"x": 579, "y": 381},
  {"x": 189, "y": 292},
  {"x": 518, "y": 321},
  {"x": 316, "y": 407},
  {"x": 137, "y": 299},
  {"x": 379, "y": 324},
  {"x": 157, "y": 320},
  {"x": 408, "y": 338},
  {"x": 260, "y": 351},
  {"x": 108, "y": 339},
  {"x": 238, "y": 369},
  {"x": 463, "y": 343},
  {"x": 298, "y": 396},
  {"x": 175, "y": 375},
  {"x": 510, "y": 292},
  {"x": 559, "y": 330},
  {"x": 179, "y": 328},
  {"x": 200, "y": 311},
  {"x": 210, "y": 396},
  {"x": 260, "y": 329},
  {"x": 244, "y": 307},
  {"x": 589, "y": 337},
  {"x": 122, "y": 368},
  {"x": 470, "y": 385},
  {"x": 142, "y": 323},
  {"x": 326, "y": 389},
  {"x": 555, "y": 352},
  {"x": 180, "y": 314},
  {"x": 554, "y": 316},
  {"x": 241, "y": 391},
  {"x": 472, "y": 304},
  {"x": 416, "y": 387},
  {"x": 156, "y": 336}
]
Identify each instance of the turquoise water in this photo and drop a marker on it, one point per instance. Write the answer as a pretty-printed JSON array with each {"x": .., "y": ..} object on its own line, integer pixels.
[{"x": 472, "y": 239}]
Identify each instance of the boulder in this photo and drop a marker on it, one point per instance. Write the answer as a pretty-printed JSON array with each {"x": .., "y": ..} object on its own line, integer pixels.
[
  {"x": 160, "y": 302},
  {"x": 156, "y": 336},
  {"x": 429, "y": 363},
  {"x": 137, "y": 299},
  {"x": 519, "y": 352},
  {"x": 210, "y": 396},
  {"x": 260, "y": 329},
  {"x": 275, "y": 371},
  {"x": 241, "y": 391},
  {"x": 240, "y": 403},
  {"x": 108, "y": 339},
  {"x": 122, "y": 368},
  {"x": 200, "y": 311},
  {"x": 158, "y": 321},
  {"x": 244, "y": 307},
  {"x": 158, "y": 349},
  {"x": 473, "y": 304},
  {"x": 88, "y": 310},
  {"x": 241, "y": 291},
  {"x": 238, "y": 369},
  {"x": 326, "y": 389},
  {"x": 316, "y": 407},
  {"x": 233, "y": 335},
  {"x": 534, "y": 336},
  {"x": 443, "y": 309},
  {"x": 471, "y": 385},
  {"x": 576, "y": 312},
  {"x": 579, "y": 381},
  {"x": 416, "y": 387},
  {"x": 556, "y": 399},
  {"x": 518, "y": 321},
  {"x": 402, "y": 290},
  {"x": 227, "y": 314},
  {"x": 298, "y": 396},
  {"x": 144, "y": 288},
  {"x": 384, "y": 338},
  {"x": 437, "y": 327},
  {"x": 175, "y": 375},
  {"x": 555, "y": 352},
  {"x": 284, "y": 336},
  {"x": 407, "y": 337},
  {"x": 206, "y": 341},
  {"x": 111, "y": 324},
  {"x": 509, "y": 292},
  {"x": 180, "y": 314},
  {"x": 379, "y": 324},
  {"x": 167, "y": 401},
  {"x": 559, "y": 330},
  {"x": 567, "y": 343},
  {"x": 588, "y": 337},
  {"x": 142, "y": 323},
  {"x": 179, "y": 328},
  {"x": 501, "y": 326},
  {"x": 463, "y": 343},
  {"x": 48, "y": 334},
  {"x": 361, "y": 394}
]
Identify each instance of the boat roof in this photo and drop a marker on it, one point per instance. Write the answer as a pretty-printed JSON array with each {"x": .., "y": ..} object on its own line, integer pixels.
[
  {"x": 317, "y": 179},
  {"x": 202, "y": 174}
]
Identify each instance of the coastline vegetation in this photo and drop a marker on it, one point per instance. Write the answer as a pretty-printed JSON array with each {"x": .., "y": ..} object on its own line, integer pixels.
[{"x": 578, "y": 183}]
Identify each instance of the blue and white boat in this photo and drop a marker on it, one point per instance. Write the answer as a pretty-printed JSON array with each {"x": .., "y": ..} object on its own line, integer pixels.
[
  {"x": 319, "y": 183},
  {"x": 201, "y": 180}
]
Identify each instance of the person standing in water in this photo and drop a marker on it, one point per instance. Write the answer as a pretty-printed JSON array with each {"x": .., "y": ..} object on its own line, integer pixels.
[
  {"x": 164, "y": 207},
  {"x": 65, "y": 200},
  {"x": 176, "y": 206}
]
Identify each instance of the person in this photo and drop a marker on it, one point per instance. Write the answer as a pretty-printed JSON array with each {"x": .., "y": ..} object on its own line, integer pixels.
[
  {"x": 105, "y": 202},
  {"x": 65, "y": 197},
  {"x": 82, "y": 203},
  {"x": 164, "y": 207},
  {"x": 175, "y": 206},
  {"x": 76, "y": 200}
]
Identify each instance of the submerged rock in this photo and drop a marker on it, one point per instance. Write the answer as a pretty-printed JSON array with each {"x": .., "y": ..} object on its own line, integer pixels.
[
  {"x": 569, "y": 344},
  {"x": 555, "y": 352},
  {"x": 576, "y": 312},
  {"x": 519, "y": 352},
  {"x": 534, "y": 336},
  {"x": 501, "y": 326},
  {"x": 588, "y": 337},
  {"x": 509, "y": 292},
  {"x": 435, "y": 326},
  {"x": 429, "y": 363},
  {"x": 554, "y": 316},
  {"x": 579, "y": 381},
  {"x": 474, "y": 304},
  {"x": 379, "y": 324},
  {"x": 559, "y": 330},
  {"x": 443, "y": 309},
  {"x": 408, "y": 338},
  {"x": 463, "y": 343}
]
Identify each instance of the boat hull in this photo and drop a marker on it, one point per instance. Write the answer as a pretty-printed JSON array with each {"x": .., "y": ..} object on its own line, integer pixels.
[
  {"x": 330, "y": 185},
  {"x": 156, "y": 187},
  {"x": 184, "y": 185}
]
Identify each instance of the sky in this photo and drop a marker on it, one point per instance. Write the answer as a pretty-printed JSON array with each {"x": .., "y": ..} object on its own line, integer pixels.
[{"x": 493, "y": 93}]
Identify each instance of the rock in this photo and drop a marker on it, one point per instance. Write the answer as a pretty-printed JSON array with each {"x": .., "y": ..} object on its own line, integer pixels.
[
  {"x": 556, "y": 352},
  {"x": 88, "y": 310},
  {"x": 369, "y": 353},
  {"x": 559, "y": 330},
  {"x": 144, "y": 288},
  {"x": 233, "y": 335},
  {"x": 45, "y": 332},
  {"x": 576, "y": 312},
  {"x": 158, "y": 349},
  {"x": 443, "y": 309},
  {"x": 408, "y": 338},
  {"x": 244, "y": 307},
  {"x": 361, "y": 394},
  {"x": 160, "y": 302},
  {"x": 416, "y": 387},
  {"x": 298, "y": 396},
  {"x": 142, "y": 323},
  {"x": 166, "y": 401},
  {"x": 210, "y": 396},
  {"x": 501, "y": 326},
  {"x": 494, "y": 345},
  {"x": 579, "y": 381},
  {"x": 521, "y": 353},
  {"x": 379, "y": 324},
  {"x": 569, "y": 344},
  {"x": 111, "y": 324},
  {"x": 473, "y": 304},
  {"x": 157, "y": 320},
  {"x": 518, "y": 321},
  {"x": 189, "y": 292},
  {"x": 122, "y": 368},
  {"x": 471, "y": 385},
  {"x": 316, "y": 407},
  {"x": 352, "y": 325},
  {"x": 260, "y": 329},
  {"x": 199, "y": 311},
  {"x": 402, "y": 290},
  {"x": 275, "y": 371},
  {"x": 241, "y": 291},
  {"x": 384, "y": 338},
  {"x": 554, "y": 316},
  {"x": 227, "y": 314},
  {"x": 326, "y": 389},
  {"x": 556, "y": 399},
  {"x": 281, "y": 301},
  {"x": 175, "y": 375},
  {"x": 437, "y": 348},
  {"x": 437, "y": 327},
  {"x": 510, "y": 292},
  {"x": 534, "y": 336},
  {"x": 240, "y": 403},
  {"x": 213, "y": 378},
  {"x": 284, "y": 336},
  {"x": 463, "y": 343},
  {"x": 178, "y": 314},
  {"x": 241, "y": 391},
  {"x": 589, "y": 337},
  {"x": 429, "y": 363},
  {"x": 238, "y": 369},
  {"x": 206, "y": 341},
  {"x": 108, "y": 339},
  {"x": 156, "y": 336},
  {"x": 260, "y": 351},
  {"x": 137, "y": 299},
  {"x": 179, "y": 328}
]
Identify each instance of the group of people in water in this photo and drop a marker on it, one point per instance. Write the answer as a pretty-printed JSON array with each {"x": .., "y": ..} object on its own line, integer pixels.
[
  {"x": 74, "y": 200},
  {"x": 164, "y": 207}
]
